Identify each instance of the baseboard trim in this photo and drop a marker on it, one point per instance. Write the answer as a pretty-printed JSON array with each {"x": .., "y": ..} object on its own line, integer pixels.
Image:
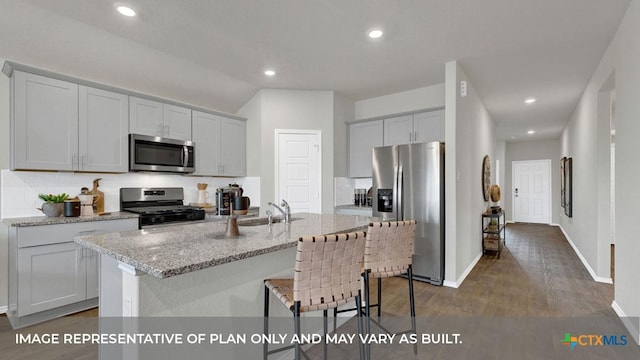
[
  {"x": 456, "y": 284},
  {"x": 593, "y": 274},
  {"x": 554, "y": 224},
  {"x": 3, "y": 309},
  {"x": 626, "y": 321}
]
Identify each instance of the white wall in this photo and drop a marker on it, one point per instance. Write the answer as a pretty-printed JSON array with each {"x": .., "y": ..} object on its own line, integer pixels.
[
  {"x": 291, "y": 109},
  {"x": 430, "y": 97},
  {"x": 252, "y": 111},
  {"x": 469, "y": 135},
  {"x": 579, "y": 140},
  {"x": 4, "y": 164},
  {"x": 533, "y": 150},
  {"x": 343, "y": 111}
]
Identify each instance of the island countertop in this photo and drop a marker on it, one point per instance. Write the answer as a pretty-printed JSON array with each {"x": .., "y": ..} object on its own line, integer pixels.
[{"x": 169, "y": 251}]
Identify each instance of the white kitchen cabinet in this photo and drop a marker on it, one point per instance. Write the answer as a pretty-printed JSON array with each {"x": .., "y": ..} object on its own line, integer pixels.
[
  {"x": 44, "y": 123},
  {"x": 416, "y": 128},
  {"x": 428, "y": 126},
  {"x": 398, "y": 130},
  {"x": 363, "y": 137},
  {"x": 47, "y": 270},
  {"x": 220, "y": 145},
  {"x": 58, "y": 125},
  {"x": 153, "y": 118},
  {"x": 233, "y": 147},
  {"x": 103, "y": 130}
]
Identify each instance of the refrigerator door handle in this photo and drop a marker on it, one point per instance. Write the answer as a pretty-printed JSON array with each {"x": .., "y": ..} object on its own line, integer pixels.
[
  {"x": 395, "y": 212},
  {"x": 400, "y": 194}
]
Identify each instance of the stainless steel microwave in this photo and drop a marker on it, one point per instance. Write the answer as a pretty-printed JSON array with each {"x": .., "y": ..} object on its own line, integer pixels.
[{"x": 152, "y": 153}]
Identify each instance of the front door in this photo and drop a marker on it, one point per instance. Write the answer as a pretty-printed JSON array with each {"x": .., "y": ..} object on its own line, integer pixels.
[
  {"x": 298, "y": 170},
  {"x": 532, "y": 191}
]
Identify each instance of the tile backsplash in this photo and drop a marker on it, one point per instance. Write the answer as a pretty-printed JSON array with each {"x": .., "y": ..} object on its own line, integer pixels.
[
  {"x": 19, "y": 189},
  {"x": 343, "y": 193}
]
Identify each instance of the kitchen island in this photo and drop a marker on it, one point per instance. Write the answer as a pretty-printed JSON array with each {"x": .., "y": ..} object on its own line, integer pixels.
[
  {"x": 194, "y": 270},
  {"x": 189, "y": 279}
]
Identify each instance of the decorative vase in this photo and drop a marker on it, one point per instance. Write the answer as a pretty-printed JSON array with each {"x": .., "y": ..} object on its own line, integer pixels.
[{"x": 52, "y": 209}]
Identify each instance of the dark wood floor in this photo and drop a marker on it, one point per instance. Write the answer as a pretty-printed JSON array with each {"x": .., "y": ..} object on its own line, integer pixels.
[{"x": 537, "y": 275}]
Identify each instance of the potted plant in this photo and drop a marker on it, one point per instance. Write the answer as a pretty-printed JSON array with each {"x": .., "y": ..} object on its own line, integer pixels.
[{"x": 53, "y": 204}]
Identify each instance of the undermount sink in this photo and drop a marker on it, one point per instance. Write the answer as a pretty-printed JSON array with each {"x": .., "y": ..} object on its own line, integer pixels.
[{"x": 262, "y": 221}]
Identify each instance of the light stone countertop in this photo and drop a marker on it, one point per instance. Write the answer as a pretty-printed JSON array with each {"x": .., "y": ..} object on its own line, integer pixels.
[
  {"x": 43, "y": 220},
  {"x": 173, "y": 250}
]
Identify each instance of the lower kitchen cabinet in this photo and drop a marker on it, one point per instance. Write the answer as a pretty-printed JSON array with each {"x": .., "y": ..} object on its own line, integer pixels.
[
  {"x": 48, "y": 271},
  {"x": 50, "y": 276}
]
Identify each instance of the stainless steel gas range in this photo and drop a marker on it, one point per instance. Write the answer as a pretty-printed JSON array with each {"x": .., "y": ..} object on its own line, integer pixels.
[{"x": 159, "y": 206}]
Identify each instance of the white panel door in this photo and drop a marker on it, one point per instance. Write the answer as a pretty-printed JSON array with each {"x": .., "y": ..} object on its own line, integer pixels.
[
  {"x": 299, "y": 172},
  {"x": 532, "y": 191}
]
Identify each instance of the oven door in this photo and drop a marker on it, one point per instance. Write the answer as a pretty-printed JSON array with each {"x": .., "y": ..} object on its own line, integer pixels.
[{"x": 150, "y": 153}]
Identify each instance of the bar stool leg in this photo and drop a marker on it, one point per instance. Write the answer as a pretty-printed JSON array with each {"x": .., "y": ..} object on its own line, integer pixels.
[
  {"x": 325, "y": 326},
  {"x": 296, "y": 315},
  {"x": 367, "y": 311},
  {"x": 379, "y": 296},
  {"x": 413, "y": 307},
  {"x": 359, "y": 319},
  {"x": 265, "y": 345}
]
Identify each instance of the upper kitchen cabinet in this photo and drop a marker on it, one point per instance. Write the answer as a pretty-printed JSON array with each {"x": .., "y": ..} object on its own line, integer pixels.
[
  {"x": 416, "y": 128},
  {"x": 153, "y": 118},
  {"x": 363, "y": 137},
  {"x": 220, "y": 144},
  {"x": 428, "y": 126},
  {"x": 59, "y": 125},
  {"x": 103, "y": 128},
  {"x": 398, "y": 130},
  {"x": 44, "y": 123}
]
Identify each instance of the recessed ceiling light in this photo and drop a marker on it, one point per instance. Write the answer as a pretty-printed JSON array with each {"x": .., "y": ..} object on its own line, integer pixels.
[
  {"x": 269, "y": 72},
  {"x": 530, "y": 101},
  {"x": 531, "y": 132},
  {"x": 375, "y": 33},
  {"x": 125, "y": 10}
]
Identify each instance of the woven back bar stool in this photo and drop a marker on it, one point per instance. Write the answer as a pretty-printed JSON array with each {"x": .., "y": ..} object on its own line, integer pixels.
[
  {"x": 327, "y": 274},
  {"x": 389, "y": 252}
]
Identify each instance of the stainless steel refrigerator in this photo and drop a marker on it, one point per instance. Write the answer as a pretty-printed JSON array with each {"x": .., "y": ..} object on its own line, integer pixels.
[{"x": 408, "y": 184}]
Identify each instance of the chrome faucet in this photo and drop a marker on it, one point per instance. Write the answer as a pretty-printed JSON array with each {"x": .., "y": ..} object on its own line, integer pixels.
[
  {"x": 269, "y": 217},
  {"x": 287, "y": 209},
  {"x": 286, "y": 212}
]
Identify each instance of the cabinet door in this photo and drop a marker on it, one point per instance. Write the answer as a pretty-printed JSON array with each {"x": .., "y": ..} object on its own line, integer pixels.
[
  {"x": 398, "y": 130},
  {"x": 363, "y": 137},
  {"x": 206, "y": 134},
  {"x": 429, "y": 126},
  {"x": 92, "y": 263},
  {"x": 145, "y": 117},
  {"x": 103, "y": 128},
  {"x": 177, "y": 122},
  {"x": 44, "y": 123},
  {"x": 50, "y": 276},
  {"x": 232, "y": 147}
]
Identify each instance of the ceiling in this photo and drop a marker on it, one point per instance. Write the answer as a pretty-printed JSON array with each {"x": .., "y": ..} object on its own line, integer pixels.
[{"x": 212, "y": 53}]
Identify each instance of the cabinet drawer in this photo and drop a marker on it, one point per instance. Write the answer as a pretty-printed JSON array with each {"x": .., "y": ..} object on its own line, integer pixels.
[{"x": 61, "y": 233}]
